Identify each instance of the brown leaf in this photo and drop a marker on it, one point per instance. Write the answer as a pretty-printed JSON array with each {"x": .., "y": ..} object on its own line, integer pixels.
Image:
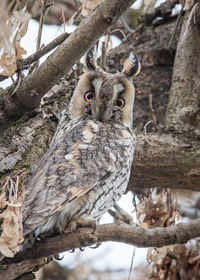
[
  {"x": 89, "y": 6},
  {"x": 8, "y": 63},
  {"x": 20, "y": 51}
]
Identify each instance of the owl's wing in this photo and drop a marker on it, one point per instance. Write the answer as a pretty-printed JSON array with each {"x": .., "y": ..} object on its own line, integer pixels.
[{"x": 76, "y": 161}]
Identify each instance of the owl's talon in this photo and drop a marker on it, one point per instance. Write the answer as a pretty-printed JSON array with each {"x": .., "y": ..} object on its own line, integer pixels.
[
  {"x": 57, "y": 257},
  {"x": 95, "y": 246},
  {"x": 82, "y": 249},
  {"x": 72, "y": 251},
  {"x": 82, "y": 222}
]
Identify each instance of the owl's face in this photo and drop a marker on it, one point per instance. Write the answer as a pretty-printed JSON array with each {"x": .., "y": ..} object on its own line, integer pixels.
[{"x": 103, "y": 96}]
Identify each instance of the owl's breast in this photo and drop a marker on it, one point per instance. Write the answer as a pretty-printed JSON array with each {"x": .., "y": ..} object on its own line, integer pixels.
[{"x": 107, "y": 150}]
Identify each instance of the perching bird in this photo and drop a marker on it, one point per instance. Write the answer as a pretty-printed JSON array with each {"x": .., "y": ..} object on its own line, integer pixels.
[{"x": 87, "y": 166}]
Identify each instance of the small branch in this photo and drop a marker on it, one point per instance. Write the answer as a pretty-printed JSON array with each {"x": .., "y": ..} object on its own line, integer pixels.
[
  {"x": 166, "y": 161},
  {"x": 177, "y": 24},
  {"x": 152, "y": 110},
  {"x": 128, "y": 219},
  {"x": 25, "y": 63},
  {"x": 126, "y": 26},
  {"x": 118, "y": 232},
  {"x": 40, "y": 30},
  {"x": 120, "y": 215}
]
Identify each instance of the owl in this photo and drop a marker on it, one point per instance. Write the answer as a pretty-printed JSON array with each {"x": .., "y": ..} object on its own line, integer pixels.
[{"x": 87, "y": 166}]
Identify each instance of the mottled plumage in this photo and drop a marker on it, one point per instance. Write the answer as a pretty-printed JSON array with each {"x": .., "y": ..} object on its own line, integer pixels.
[{"x": 87, "y": 167}]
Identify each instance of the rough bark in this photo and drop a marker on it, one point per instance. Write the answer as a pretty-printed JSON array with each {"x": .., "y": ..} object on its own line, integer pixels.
[
  {"x": 183, "y": 110},
  {"x": 166, "y": 160}
]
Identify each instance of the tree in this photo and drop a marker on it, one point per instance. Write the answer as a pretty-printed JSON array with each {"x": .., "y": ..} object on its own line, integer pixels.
[{"x": 166, "y": 122}]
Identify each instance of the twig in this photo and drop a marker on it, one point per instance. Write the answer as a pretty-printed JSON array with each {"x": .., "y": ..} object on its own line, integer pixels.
[
  {"x": 39, "y": 33},
  {"x": 77, "y": 72},
  {"x": 104, "y": 49},
  {"x": 24, "y": 63},
  {"x": 125, "y": 217},
  {"x": 19, "y": 80},
  {"x": 115, "y": 30},
  {"x": 131, "y": 267},
  {"x": 152, "y": 110},
  {"x": 126, "y": 26},
  {"x": 103, "y": 53},
  {"x": 76, "y": 5},
  {"x": 62, "y": 12},
  {"x": 176, "y": 26},
  {"x": 145, "y": 126}
]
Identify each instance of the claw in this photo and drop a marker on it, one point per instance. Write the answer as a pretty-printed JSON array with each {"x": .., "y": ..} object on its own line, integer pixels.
[
  {"x": 72, "y": 251},
  {"x": 57, "y": 257},
  {"x": 81, "y": 222},
  {"x": 82, "y": 249},
  {"x": 95, "y": 246}
]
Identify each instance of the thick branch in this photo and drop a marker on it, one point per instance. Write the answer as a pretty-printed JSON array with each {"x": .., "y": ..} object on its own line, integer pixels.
[
  {"x": 118, "y": 232},
  {"x": 61, "y": 61},
  {"x": 166, "y": 160}
]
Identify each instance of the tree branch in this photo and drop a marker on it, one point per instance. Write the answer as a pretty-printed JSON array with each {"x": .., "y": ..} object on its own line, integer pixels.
[
  {"x": 34, "y": 86},
  {"x": 24, "y": 63},
  {"x": 166, "y": 161},
  {"x": 118, "y": 232}
]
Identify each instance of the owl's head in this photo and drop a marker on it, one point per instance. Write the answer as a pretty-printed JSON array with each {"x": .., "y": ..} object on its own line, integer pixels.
[{"x": 103, "y": 96}]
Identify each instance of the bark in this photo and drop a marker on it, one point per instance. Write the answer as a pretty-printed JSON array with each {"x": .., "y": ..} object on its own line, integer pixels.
[
  {"x": 184, "y": 102},
  {"x": 166, "y": 160},
  {"x": 118, "y": 232}
]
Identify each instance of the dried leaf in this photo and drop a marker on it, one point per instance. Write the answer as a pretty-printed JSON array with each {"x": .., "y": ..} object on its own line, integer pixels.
[
  {"x": 71, "y": 20},
  {"x": 20, "y": 51},
  {"x": 8, "y": 63},
  {"x": 22, "y": 15},
  {"x": 5, "y": 250},
  {"x": 89, "y": 6},
  {"x": 24, "y": 29},
  {"x": 159, "y": 254},
  {"x": 12, "y": 196}
]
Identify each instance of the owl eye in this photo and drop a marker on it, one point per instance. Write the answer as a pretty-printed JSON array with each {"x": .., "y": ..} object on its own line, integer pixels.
[
  {"x": 89, "y": 96},
  {"x": 120, "y": 102}
]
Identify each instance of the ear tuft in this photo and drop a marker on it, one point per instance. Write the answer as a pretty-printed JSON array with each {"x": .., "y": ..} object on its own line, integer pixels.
[
  {"x": 90, "y": 59},
  {"x": 131, "y": 66}
]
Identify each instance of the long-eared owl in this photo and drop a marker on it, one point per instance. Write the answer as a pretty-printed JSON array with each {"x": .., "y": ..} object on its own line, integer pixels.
[{"x": 87, "y": 167}]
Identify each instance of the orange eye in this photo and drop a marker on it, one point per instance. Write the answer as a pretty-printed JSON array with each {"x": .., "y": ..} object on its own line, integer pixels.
[
  {"x": 120, "y": 102},
  {"x": 89, "y": 96}
]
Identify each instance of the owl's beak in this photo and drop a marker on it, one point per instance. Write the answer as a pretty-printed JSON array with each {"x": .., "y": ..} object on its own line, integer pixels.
[{"x": 101, "y": 114}]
